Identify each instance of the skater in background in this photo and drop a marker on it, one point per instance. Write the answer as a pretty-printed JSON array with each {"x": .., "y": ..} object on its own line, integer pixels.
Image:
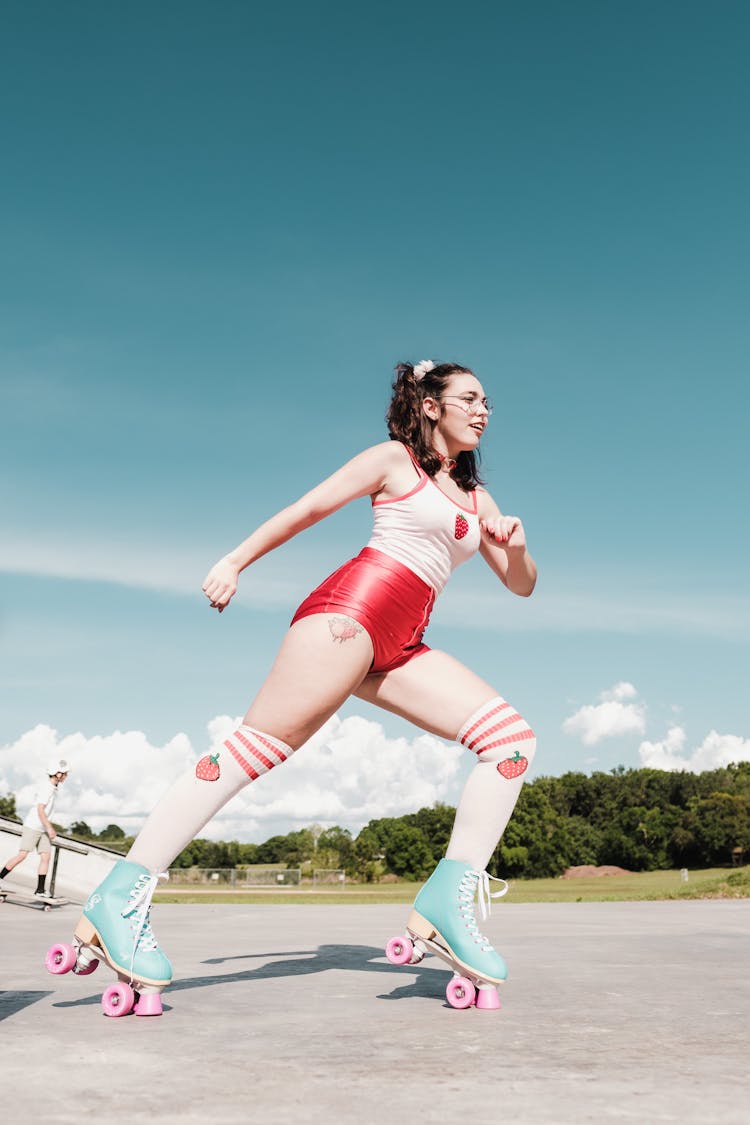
[
  {"x": 360, "y": 633},
  {"x": 38, "y": 831}
]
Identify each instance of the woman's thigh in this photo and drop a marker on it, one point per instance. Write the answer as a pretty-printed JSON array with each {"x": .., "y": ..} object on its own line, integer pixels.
[
  {"x": 434, "y": 691},
  {"x": 322, "y": 659}
]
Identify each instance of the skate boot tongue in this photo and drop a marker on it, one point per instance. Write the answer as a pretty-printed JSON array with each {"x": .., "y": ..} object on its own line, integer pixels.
[
  {"x": 477, "y": 883},
  {"x": 138, "y": 910}
]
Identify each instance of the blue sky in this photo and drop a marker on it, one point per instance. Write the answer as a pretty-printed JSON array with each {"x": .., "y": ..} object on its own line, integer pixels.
[{"x": 221, "y": 227}]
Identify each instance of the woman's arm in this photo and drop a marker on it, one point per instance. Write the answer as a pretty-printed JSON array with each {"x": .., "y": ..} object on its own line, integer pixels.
[
  {"x": 364, "y": 475},
  {"x": 503, "y": 547}
]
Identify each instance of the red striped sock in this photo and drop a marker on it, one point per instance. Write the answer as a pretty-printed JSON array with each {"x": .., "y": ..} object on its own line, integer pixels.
[
  {"x": 256, "y": 751},
  {"x": 493, "y": 725}
]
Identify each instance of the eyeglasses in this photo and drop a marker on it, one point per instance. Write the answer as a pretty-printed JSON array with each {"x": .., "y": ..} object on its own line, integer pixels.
[{"x": 471, "y": 405}]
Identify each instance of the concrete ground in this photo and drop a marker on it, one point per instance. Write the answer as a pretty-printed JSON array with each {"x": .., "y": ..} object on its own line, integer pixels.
[{"x": 628, "y": 1012}]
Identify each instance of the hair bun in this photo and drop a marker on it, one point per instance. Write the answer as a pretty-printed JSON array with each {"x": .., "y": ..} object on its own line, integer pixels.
[{"x": 422, "y": 368}]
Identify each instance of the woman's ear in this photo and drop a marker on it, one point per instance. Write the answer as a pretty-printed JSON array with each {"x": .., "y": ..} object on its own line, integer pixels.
[{"x": 431, "y": 408}]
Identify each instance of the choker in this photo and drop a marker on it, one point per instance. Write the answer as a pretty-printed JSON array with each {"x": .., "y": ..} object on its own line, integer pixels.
[{"x": 447, "y": 463}]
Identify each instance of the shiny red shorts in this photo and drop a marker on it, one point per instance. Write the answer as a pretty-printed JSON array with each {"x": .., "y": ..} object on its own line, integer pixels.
[{"x": 385, "y": 597}]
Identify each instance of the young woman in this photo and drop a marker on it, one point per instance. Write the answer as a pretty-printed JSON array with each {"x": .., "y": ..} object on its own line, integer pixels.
[{"x": 360, "y": 633}]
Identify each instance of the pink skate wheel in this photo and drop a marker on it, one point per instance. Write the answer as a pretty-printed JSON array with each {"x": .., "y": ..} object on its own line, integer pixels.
[
  {"x": 399, "y": 950},
  {"x": 148, "y": 1004},
  {"x": 60, "y": 958},
  {"x": 118, "y": 999},
  {"x": 488, "y": 999},
  {"x": 460, "y": 993}
]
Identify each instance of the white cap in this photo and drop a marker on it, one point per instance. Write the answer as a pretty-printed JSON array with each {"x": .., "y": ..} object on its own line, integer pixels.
[{"x": 57, "y": 767}]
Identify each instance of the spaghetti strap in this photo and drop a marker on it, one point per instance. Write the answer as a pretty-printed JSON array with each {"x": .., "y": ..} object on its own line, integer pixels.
[{"x": 415, "y": 463}]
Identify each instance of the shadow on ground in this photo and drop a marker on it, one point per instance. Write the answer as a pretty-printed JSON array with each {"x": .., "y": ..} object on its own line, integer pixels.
[
  {"x": 13, "y": 1002},
  {"x": 424, "y": 981}
]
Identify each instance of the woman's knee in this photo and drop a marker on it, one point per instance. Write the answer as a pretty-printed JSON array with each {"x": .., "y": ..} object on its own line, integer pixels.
[{"x": 496, "y": 732}]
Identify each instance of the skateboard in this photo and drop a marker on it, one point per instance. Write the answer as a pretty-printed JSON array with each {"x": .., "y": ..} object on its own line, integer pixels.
[
  {"x": 466, "y": 988},
  {"x": 18, "y": 898}
]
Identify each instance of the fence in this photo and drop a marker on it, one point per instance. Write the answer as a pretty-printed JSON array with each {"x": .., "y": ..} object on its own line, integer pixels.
[
  {"x": 328, "y": 875},
  {"x": 236, "y": 877},
  {"x": 258, "y": 875}
]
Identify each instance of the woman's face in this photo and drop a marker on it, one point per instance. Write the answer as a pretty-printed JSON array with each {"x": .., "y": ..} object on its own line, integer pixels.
[{"x": 461, "y": 413}]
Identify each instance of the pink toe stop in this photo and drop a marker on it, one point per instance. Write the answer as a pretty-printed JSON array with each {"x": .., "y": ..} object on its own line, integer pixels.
[
  {"x": 149, "y": 1004},
  {"x": 488, "y": 998}
]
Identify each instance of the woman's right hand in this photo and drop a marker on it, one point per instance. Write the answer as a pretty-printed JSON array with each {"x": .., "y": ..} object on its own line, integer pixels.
[{"x": 220, "y": 584}]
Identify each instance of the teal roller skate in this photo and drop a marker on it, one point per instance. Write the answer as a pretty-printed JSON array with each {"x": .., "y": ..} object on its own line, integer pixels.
[
  {"x": 115, "y": 927},
  {"x": 443, "y": 922}
]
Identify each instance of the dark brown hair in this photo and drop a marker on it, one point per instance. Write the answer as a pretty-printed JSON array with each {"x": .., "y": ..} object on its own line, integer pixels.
[{"x": 407, "y": 421}]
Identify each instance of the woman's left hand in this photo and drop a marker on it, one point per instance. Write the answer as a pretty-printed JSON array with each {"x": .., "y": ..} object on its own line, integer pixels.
[
  {"x": 220, "y": 585},
  {"x": 506, "y": 530}
]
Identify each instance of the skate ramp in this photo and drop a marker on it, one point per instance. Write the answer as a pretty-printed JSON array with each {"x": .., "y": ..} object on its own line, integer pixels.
[{"x": 77, "y": 867}]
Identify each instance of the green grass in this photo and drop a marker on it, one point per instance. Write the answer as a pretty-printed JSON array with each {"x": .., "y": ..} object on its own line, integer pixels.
[
  {"x": 714, "y": 882},
  {"x": 717, "y": 882},
  {"x": 350, "y": 894}
]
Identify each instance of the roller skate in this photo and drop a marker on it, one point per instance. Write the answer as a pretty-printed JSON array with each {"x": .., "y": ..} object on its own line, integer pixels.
[
  {"x": 115, "y": 927},
  {"x": 443, "y": 922}
]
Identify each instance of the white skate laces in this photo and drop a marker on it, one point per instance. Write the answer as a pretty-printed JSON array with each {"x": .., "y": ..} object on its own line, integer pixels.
[
  {"x": 477, "y": 884},
  {"x": 140, "y": 901}
]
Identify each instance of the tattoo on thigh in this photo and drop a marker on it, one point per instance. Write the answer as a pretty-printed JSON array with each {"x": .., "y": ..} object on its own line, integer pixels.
[{"x": 343, "y": 628}]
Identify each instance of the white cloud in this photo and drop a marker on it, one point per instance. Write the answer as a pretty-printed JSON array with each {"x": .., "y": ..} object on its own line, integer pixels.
[
  {"x": 610, "y": 718},
  {"x": 715, "y": 751},
  {"x": 621, "y": 690},
  {"x": 348, "y": 773},
  {"x": 148, "y": 566},
  {"x": 113, "y": 778}
]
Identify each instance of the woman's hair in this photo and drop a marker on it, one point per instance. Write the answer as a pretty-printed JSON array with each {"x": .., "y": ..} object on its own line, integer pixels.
[{"x": 407, "y": 421}]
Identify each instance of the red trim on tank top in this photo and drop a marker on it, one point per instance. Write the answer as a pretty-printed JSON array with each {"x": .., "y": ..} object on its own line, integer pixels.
[
  {"x": 422, "y": 481},
  {"x": 473, "y": 494},
  {"x": 395, "y": 499}
]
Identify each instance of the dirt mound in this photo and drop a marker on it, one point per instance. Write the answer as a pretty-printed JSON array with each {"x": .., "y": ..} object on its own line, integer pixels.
[{"x": 586, "y": 870}]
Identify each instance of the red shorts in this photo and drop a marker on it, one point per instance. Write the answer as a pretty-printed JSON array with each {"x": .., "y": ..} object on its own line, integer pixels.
[{"x": 385, "y": 597}]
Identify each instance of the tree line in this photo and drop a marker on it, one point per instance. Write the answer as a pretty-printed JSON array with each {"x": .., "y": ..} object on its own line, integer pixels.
[{"x": 639, "y": 819}]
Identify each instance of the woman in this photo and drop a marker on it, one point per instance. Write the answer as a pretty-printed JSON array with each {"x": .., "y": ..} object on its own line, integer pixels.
[{"x": 360, "y": 633}]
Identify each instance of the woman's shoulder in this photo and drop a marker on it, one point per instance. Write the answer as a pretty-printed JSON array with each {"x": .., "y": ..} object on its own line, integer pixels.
[
  {"x": 486, "y": 505},
  {"x": 398, "y": 471},
  {"x": 390, "y": 453}
]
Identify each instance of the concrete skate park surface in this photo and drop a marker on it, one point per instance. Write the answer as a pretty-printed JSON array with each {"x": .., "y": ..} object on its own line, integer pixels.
[{"x": 627, "y": 1012}]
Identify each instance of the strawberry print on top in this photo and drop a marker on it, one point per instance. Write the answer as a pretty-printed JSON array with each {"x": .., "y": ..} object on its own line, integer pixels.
[
  {"x": 208, "y": 768},
  {"x": 513, "y": 767},
  {"x": 462, "y": 526}
]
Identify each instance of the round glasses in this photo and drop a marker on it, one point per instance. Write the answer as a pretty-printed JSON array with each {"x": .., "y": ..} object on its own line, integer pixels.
[{"x": 471, "y": 405}]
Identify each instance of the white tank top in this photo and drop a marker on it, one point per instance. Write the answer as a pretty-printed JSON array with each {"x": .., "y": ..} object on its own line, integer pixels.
[{"x": 427, "y": 531}]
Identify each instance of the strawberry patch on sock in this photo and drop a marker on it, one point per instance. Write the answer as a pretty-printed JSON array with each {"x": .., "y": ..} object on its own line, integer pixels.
[
  {"x": 462, "y": 526},
  {"x": 208, "y": 768},
  {"x": 513, "y": 767}
]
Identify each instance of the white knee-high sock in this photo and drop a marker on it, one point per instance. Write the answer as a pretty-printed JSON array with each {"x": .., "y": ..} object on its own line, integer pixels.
[
  {"x": 505, "y": 745},
  {"x": 199, "y": 794}
]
